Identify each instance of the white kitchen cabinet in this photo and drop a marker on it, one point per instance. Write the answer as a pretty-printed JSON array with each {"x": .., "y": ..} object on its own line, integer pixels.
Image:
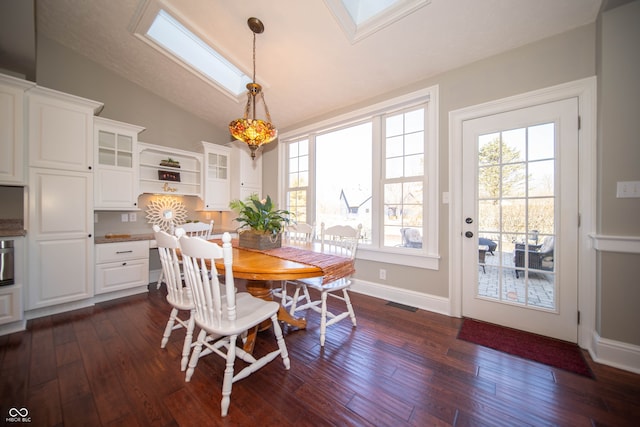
[
  {"x": 155, "y": 178},
  {"x": 217, "y": 176},
  {"x": 116, "y": 165},
  {"x": 60, "y": 241},
  {"x": 246, "y": 173},
  {"x": 122, "y": 265},
  {"x": 60, "y": 203},
  {"x": 12, "y": 125},
  {"x": 11, "y": 306},
  {"x": 60, "y": 130}
]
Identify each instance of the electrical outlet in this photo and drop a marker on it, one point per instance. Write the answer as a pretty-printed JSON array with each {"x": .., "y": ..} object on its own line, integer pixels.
[
  {"x": 627, "y": 189},
  {"x": 133, "y": 217},
  {"x": 383, "y": 274},
  {"x": 124, "y": 217}
]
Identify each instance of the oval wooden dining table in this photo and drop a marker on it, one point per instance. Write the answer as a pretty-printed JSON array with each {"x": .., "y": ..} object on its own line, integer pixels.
[{"x": 261, "y": 270}]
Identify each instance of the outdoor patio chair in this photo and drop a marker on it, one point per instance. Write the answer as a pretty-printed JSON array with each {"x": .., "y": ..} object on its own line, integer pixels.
[{"x": 540, "y": 257}]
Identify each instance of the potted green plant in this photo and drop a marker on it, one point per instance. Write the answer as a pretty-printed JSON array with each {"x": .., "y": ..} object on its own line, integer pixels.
[{"x": 261, "y": 223}]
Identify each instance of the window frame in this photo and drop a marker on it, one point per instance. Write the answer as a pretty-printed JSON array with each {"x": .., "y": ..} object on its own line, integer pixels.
[{"x": 428, "y": 256}]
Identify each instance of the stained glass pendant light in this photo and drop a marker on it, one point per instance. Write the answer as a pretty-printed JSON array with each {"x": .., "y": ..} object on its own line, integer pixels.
[{"x": 253, "y": 131}]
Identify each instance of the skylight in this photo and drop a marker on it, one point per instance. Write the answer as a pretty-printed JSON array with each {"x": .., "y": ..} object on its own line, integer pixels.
[
  {"x": 191, "y": 51},
  {"x": 361, "y": 10},
  {"x": 361, "y": 18}
]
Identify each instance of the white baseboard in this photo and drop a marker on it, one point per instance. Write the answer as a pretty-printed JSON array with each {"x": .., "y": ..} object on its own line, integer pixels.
[
  {"x": 12, "y": 327},
  {"x": 402, "y": 296},
  {"x": 154, "y": 275},
  {"x": 615, "y": 353},
  {"x": 120, "y": 294},
  {"x": 57, "y": 309},
  {"x": 90, "y": 302}
]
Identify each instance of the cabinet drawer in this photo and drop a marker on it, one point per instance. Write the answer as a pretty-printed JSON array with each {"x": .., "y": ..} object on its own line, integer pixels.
[
  {"x": 112, "y": 252},
  {"x": 10, "y": 304},
  {"x": 116, "y": 276}
]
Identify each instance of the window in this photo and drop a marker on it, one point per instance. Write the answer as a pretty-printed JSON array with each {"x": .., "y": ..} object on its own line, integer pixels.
[
  {"x": 344, "y": 177},
  {"x": 298, "y": 181},
  {"x": 376, "y": 167},
  {"x": 403, "y": 178},
  {"x": 361, "y": 18},
  {"x": 161, "y": 30}
]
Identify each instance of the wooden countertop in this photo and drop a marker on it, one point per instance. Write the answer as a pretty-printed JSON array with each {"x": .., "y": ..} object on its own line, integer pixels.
[
  {"x": 121, "y": 237},
  {"x": 124, "y": 237}
]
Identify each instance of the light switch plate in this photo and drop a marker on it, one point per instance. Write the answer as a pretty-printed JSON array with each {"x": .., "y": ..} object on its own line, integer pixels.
[
  {"x": 124, "y": 217},
  {"x": 628, "y": 189}
]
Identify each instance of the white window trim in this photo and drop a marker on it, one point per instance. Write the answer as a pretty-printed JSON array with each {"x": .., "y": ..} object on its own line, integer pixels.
[{"x": 428, "y": 257}]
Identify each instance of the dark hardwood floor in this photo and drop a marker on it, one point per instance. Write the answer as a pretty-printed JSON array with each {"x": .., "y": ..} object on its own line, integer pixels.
[{"x": 103, "y": 366}]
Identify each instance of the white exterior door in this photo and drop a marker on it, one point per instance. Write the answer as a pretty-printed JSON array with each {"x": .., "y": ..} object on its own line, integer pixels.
[{"x": 520, "y": 212}]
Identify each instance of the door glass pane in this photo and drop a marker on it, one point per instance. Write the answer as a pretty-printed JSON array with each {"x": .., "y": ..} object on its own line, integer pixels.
[{"x": 516, "y": 216}]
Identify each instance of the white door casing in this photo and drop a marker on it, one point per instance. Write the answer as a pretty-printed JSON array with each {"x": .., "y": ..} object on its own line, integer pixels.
[{"x": 585, "y": 92}]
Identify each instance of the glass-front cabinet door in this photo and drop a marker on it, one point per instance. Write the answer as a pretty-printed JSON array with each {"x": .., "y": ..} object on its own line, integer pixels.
[
  {"x": 116, "y": 174},
  {"x": 217, "y": 177},
  {"x": 115, "y": 149}
]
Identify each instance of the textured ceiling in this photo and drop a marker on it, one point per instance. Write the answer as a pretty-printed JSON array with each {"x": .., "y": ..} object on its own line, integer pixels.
[{"x": 304, "y": 59}]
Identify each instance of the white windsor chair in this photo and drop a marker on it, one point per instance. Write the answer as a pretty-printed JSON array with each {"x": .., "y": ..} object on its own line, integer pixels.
[
  {"x": 299, "y": 233},
  {"x": 178, "y": 296},
  {"x": 198, "y": 229},
  {"x": 341, "y": 240},
  {"x": 223, "y": 318},
  {"x": 202, "y": 230}
]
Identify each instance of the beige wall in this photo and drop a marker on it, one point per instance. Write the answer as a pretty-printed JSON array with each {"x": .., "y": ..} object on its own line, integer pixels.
[
  {"x": 166, "y": 124},
  {"x": 619, "y": 160},
  {"x": 563, "y": 58}
]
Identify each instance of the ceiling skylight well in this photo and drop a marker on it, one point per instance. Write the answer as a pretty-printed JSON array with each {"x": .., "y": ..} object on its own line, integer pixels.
[
  {"x": 169, "y": 36},
  {"x": 360, "y": 10},
  {"x": 361, "y": 18}
]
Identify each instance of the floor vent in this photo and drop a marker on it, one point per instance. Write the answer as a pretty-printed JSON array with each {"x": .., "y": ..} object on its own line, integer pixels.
[{"x": 402, "y": 306}]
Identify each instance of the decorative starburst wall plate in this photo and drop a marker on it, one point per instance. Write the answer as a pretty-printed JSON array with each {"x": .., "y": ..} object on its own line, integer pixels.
[{"x": 166, "y": 212}]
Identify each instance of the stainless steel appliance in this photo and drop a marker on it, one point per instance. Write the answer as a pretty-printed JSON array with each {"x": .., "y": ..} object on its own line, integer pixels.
[{"x": 6, "y": 262}]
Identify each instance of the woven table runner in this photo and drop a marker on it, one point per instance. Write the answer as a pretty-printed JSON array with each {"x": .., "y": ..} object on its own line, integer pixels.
[{"x": 333, "y": 267}]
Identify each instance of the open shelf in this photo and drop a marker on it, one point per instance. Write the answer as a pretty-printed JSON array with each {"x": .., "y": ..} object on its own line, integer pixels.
[{"x": 189, "y": 172}]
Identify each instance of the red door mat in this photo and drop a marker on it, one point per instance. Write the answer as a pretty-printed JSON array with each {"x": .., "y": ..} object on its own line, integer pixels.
[{"x": 559, "y": 354}]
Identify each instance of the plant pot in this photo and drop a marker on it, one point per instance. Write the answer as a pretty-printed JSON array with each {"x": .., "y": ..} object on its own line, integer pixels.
[{"x": 252, "y": 239}]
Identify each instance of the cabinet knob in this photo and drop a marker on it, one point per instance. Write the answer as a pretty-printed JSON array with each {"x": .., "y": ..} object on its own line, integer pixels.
[
  {"x": 89, "y": 235},
  {"x": 124, "y": 263},
  {"x": 89, "y": 167}
]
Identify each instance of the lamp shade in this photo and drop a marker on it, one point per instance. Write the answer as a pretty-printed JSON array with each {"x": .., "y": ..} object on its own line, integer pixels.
[{"x": 253, "y": 131}]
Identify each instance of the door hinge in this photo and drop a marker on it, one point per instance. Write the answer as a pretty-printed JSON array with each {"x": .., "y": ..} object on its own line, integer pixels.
[
  {"x": 579, "y": 220},
  {"x": 579, "y": 122},
  {"x": 578, "y": 317}
]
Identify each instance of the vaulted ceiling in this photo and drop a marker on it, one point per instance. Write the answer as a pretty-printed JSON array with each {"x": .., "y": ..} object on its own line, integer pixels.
[{"x": 305, "y": 61}]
